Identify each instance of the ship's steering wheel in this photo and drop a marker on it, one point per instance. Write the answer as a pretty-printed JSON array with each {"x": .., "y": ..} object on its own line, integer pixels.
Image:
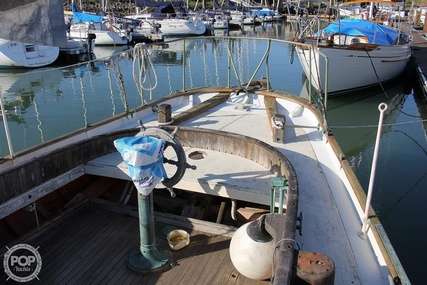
[{"x": 180, "y": 163}]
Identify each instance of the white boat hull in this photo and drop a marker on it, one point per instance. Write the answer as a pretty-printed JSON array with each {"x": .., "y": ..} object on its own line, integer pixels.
[
  {"x": 181, "y": 27},
  {"x": 220, "y": 24},
  {"x": 352, "y": 69},
  {"x": 104, "y": 37},
  {"x": 17, "y": 54}
]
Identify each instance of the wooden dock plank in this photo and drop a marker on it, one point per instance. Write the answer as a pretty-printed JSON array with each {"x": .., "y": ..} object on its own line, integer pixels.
[{"x": 420, "y": 58}]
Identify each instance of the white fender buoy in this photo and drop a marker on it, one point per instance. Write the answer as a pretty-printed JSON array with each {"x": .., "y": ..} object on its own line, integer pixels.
[{"x": 251, "y": 250}]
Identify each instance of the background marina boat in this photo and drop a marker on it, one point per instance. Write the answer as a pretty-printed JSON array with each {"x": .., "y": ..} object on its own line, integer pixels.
[
  {"x": 31, "y": 35},
  {"x": 166, "y": 19},
  {"x": 146, "y": 31},
  {"x": 263, "y": 133},
  {"x": 182, "y": 27},
  {"x": 77, "y": 50},
  {"x": 240, "y": 18},
  {"x": 105, "y": 29},
  {"x": 15, "y": 54},
  {"x": 264, "y": 14},
  {"x": 360, "y": 54},
  {"x": 220, "y": 22},
  {"x": 105, "y": 33}
]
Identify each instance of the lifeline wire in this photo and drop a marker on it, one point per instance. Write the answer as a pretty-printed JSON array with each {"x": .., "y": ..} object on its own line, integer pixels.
[{"x": 375, "y": 126}]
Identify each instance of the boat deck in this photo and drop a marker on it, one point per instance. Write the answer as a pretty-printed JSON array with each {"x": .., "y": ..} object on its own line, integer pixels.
[
  {"x": 323, "y": 201},
  {"x": 419, "y": 58},
  {"x": 91, "y": 244},
  {"x": 237, "y": 179},
  {"x": 331, "y": 223}
]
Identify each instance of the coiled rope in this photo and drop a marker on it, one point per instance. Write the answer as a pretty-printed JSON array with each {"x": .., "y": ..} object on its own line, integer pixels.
[{"x": 143, "y": 69}]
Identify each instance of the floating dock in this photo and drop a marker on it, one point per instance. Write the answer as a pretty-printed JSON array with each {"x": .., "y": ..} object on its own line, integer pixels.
[{"x": 419, "y": 57}]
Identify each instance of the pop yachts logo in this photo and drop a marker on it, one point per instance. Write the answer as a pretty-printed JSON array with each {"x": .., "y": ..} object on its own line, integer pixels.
[{"x": 22, "y": 263}]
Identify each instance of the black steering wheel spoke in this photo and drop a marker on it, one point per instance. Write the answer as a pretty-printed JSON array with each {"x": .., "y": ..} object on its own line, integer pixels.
[{"x": 171, "y": 141}]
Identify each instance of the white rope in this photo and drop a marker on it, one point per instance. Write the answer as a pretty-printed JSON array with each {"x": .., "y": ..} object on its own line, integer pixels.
[
  {"x": 142, "y": 69},
  {"x": 277, "y": 125}
]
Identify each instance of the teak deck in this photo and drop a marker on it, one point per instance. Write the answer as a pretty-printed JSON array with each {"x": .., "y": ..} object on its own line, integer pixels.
[{"x": 91, "y": 244}]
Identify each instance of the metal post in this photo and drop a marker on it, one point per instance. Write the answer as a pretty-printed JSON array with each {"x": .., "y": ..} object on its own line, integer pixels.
[
  {"x": 149, "y": 258},
  {"x": 228, "y": 65},
  {"x": 280, "y": 184},
  {"x": 381, "y": 107},
  {"x": 310, "y": 77},
  {"x": 281, "y": 195},
  {"x": 6, "y": 127},
  {"x": 183, "y": 67},
  {"x": 272, "y": 199},
  {"x": 326, "y": 82}
]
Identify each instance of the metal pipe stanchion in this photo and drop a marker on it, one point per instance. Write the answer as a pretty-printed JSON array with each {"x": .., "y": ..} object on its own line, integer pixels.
[
  {"x": 363, "y": 233},
  {"x": 149, "y": 257}
]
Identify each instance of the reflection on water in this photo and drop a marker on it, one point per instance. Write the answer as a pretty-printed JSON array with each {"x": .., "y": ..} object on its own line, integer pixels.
[
  {"x": 43, "y": 104},
  {"x": 346, "y": 112},
  {"x": 108, "y": 52}
]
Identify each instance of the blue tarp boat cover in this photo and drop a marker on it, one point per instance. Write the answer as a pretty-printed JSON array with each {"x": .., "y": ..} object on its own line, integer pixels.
[
  {"x": 263, "y": 12},
  {"x": 375, "y": 33},
  {"x": 79, "y": 17}
]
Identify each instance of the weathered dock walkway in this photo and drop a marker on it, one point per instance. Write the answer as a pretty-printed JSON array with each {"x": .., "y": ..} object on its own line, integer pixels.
[{"x": 419, "y": 57}]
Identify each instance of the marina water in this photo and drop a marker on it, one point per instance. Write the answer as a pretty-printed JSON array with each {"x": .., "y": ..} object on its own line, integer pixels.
[{"x": 47, "y": 103}]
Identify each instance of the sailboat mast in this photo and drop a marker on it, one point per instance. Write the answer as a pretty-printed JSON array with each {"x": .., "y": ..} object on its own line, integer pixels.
[{"x": 371, "y": 11}]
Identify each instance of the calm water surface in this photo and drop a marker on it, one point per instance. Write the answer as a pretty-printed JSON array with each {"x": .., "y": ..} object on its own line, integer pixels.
[{"x": 42, "y": 105}]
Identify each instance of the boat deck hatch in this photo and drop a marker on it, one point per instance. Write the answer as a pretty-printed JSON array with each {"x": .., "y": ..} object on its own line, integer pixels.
[{"x": 196, "y": 155}]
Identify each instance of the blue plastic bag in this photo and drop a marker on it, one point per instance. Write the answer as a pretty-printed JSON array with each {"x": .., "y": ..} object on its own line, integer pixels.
[{"x": 144, "y": 157}]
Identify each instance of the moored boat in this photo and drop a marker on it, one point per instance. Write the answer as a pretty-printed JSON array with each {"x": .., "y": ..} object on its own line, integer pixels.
[
  {"x": 232, "y": 144},
  {"x": 166, "y": 21},
  {"x": 105, "y": 29},
  {"x": 360, "y": 54},
  {"x": 15, "y": 54}
]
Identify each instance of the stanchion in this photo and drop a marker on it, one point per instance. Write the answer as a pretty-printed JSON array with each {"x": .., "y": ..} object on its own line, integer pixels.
[{"x": 149, "y": 257}]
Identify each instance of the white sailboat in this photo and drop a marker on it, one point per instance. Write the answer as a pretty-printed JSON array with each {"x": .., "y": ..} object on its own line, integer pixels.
[
  {"x": 166, "y": 21},
  {"x": 360, "y": 54},
  {"x": 18, "y": 54},
  {"x": 106, "y": 31}
]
